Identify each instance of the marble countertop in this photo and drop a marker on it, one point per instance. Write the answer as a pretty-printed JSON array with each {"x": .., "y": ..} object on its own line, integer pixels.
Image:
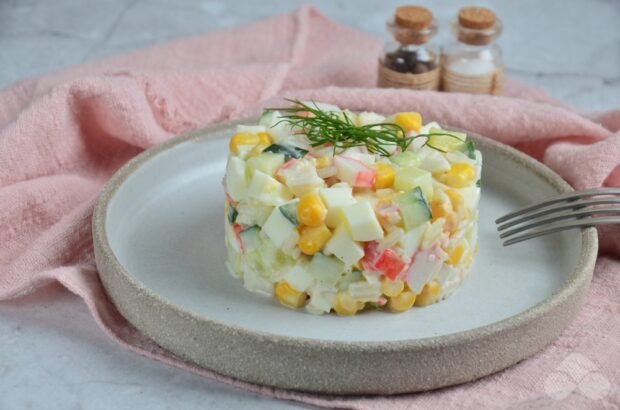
[{"x": 53, "y": 355}]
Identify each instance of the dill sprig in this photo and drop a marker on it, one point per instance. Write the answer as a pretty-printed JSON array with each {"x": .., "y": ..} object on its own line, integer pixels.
[{"x": 337, "y": 129}]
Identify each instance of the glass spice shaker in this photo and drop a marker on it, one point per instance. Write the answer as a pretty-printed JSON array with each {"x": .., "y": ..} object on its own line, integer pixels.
[
  {"x": 411, "y": 61},
  {"x": 472, "y": 63}
]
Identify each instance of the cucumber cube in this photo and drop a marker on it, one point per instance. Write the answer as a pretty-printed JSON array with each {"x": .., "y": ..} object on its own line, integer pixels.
[
  {"x": 290, "y": 211},
  {"x": 267, "y": 162},
  {"x": 280, "y": 230},
  {"x": 446, "y": 141},
  {"x": 413, "y": 208},
  {"x": 405, "y": 159},
  {"x": 250, "y": 238},
  {"x": 327, "y": 269},
  {"x": 409, "y": 178}
]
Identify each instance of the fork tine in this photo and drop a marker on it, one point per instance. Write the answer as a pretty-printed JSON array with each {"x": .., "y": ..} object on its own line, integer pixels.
[
  {"x": 562, "y": 226},
  {"x": 558, "y": 207},
  {"x": 569, "y": 196},
  {"x": 566, "y": 215}
]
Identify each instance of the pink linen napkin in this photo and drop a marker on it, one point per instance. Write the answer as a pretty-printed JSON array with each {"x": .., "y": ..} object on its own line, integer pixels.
[{"x": 63, "y": 135}]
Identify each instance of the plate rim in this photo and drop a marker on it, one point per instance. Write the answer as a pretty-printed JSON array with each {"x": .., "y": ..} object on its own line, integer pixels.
[{"x": 574, "y": 283}]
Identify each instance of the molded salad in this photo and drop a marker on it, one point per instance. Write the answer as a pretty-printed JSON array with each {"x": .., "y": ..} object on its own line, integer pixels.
[{"x": 335, "y": 211}]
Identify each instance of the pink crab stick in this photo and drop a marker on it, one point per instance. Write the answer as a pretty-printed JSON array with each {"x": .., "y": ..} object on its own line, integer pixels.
[{"x": 354, "y": 172}]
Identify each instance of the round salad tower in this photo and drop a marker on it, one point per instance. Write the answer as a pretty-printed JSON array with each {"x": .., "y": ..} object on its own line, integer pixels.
[{"x": 331, "y": 210}]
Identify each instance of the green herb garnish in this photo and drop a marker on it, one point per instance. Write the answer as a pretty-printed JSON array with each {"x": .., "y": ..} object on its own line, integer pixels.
[
  {"x": 338, "y": 130},
  {"x": 288, "y": 151},
  {"x": 232, "y": 214}
]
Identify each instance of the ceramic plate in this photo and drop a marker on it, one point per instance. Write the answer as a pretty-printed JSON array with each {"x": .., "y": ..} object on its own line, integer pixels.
[{"x": 159, "y": 245}]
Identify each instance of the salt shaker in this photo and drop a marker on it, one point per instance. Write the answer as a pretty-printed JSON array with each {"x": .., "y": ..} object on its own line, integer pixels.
[
  {"x": 472, "y": 63},
  {"x": 410, "y": 60}
]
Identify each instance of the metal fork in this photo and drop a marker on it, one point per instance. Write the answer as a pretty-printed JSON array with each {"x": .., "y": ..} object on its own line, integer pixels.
[{"x": 579, "y": 209}]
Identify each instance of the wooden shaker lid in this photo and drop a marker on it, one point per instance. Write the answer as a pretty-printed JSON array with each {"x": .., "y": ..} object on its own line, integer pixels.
[
  {"x": 477, "y": 18},
  {"x": 413, "y": 17}
]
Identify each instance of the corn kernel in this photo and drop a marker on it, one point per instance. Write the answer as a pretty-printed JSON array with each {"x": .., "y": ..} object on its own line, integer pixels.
[
  {"x": 263, "y": 138},
  {"x": 392, "y": 288},
  {"x": 458, "y": 176},
  {"x": 429, "y": 295},
  {"x": 290, "y": 296},
  {"x": 384, "y": 176},
  {"x": 438, "y": 210},
  {"x": 402, "y": 302},
  {"x": 455, "y": 255},
  {"x": 456, "y": 199},
  {"x": 323, "y": 162},
  {"x": 244, "y": 138},
  {"x": 409, "y": 121},
  {"x": 313, "y": 238},
  {"x": 345, "y": 305},
  {"x": 311, "y": 210}
]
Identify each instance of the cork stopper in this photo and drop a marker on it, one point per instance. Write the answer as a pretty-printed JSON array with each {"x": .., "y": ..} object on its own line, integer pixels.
[
  {"x": 413, "y": 17},
  {"x": 476, "y": 18}
]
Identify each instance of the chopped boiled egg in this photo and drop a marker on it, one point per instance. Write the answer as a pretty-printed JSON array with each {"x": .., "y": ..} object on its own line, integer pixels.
[
  {"x": 267, "y": 189},
  {"x": 362, "y": 222},
  {"x": 235, "y": 180},
  {"x": 344, "y": 247}
]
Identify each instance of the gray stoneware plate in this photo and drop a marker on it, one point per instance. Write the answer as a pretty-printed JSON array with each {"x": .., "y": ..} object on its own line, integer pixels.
[{"x": 159, "y": 246}]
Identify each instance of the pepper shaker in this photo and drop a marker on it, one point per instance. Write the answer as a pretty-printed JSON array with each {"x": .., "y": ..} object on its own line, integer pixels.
[
  {"x": 472, "y": 63},
  {"x": 410, "y": 60}
]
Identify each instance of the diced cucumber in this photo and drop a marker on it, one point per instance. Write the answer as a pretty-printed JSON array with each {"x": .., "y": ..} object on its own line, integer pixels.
[
  {"x": 255, "y": 282},
  {"x": 405, "y": 159},
  {"x": 446, "y": 141},
  {"x": 434, "y": 160},
  {"x": 365, "y": 291},
  {"x": 461, "y": 136},
  {"x": 479, "y": 183},
  {"x": 348, "y": 278},
  {"x": 322, "y": 297},
  {"x": 267, "y": 162},
  {"x": 413, "y": 208},
  {"x": 327, "y": 269},
  {"x": 290, "y": 212},
  {"x": 410, "y": 178},
  {"x": 250, "y": 238},
  {"x": 267, "y": 259},
  {"x": 281, "y": 231},
  {"x": 288, "y": 151},
  {"x": 232, "y": 214},
  {"x": 253, "y": 213},
  {"x": 266, "y": 118},
  {"x": 470, "y": 149}
]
